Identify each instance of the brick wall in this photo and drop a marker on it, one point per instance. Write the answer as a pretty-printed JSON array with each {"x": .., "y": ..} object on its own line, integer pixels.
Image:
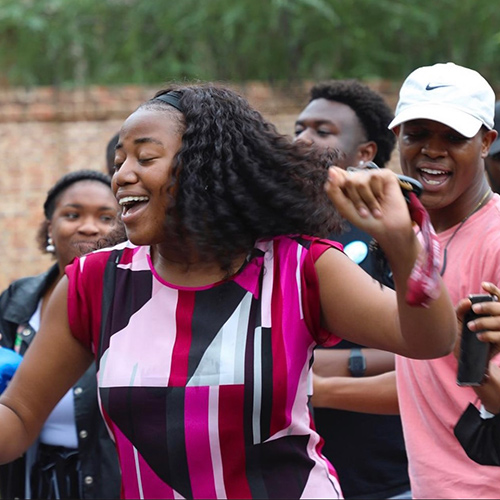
[{"x": 47, "y": 132}]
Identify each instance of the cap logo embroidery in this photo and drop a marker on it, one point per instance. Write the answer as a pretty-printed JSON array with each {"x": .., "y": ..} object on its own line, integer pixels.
[
  {"x": 432, "y": 87},
  {"x": 456, "y": 96}
]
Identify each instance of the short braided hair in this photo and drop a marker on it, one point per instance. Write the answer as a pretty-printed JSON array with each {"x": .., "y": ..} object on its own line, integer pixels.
[{"x": 67, "y": 180}]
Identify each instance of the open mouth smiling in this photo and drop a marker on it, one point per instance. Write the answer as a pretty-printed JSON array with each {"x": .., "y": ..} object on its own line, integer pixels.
[
  {"x": 131, "y": 203},
  {"x": 433, "y": 176}
]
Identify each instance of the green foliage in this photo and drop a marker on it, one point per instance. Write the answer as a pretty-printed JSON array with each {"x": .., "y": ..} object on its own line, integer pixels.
[{"x": 81, "y": 42}]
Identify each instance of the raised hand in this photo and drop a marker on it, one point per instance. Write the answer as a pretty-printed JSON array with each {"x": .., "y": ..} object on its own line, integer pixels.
[{"x": 371, "y": 200}]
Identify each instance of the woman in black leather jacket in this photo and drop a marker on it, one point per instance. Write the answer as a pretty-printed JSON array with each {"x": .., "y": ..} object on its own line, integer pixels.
[{"x": 81, "y": 214}]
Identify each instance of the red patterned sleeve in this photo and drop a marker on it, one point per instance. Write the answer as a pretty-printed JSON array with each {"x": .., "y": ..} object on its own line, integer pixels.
[
  {"x": 85, "y": 297},
  {"x": 310, "y": 293}
]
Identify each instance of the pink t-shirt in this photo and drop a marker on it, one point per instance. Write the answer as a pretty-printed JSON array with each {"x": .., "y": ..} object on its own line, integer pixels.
[{"x": 430, "y": 400}]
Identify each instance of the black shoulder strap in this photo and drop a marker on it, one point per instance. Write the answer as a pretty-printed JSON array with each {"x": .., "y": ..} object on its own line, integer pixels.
[{"x": 108, "y": 292}]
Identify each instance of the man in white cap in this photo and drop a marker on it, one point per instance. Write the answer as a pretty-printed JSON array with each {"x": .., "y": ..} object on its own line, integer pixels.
[{"x": 444, "y": 127}]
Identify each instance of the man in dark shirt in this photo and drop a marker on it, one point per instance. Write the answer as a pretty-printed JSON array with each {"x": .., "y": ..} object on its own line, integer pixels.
[{"x": 367, "y": 450}]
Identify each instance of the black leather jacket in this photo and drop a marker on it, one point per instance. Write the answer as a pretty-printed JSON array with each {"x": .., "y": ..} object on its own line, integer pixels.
[{"x": 99, "y": 462}]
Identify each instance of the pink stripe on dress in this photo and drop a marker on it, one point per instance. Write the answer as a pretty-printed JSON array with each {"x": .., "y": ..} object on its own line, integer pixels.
[
  {"x": 279, "y": 418},
  {"x": 198, "y": 442},
  {"x": 298, "y": 349},
  {"x": 232, "y": 443},
  {"x": 213, "y": 433},
  {"x": 130, "y": 482},
  {"x": 180, "y": 356}
]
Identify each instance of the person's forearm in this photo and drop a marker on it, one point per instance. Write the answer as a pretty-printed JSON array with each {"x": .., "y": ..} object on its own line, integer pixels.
[
  {"x": 335, "y": 362},
  {"x": 14, "y": 439},
  {"x": 373, "y": 202},
  {"x": 418, "y": 324},
  {"x": 376, "y": 394}
]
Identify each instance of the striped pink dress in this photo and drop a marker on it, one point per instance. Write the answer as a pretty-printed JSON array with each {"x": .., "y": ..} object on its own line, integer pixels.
[{"x": 205, "y": 390}]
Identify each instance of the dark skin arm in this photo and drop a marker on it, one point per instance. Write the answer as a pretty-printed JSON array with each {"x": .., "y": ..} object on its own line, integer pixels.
[
  {"x": 379, "y": 394},
  {"x": 376, "y": 394},
  {"x": 383, "y": 319},
  {"x": 334, "y": 387},
  {"x": 335, "y": 362},
  {"x": 53, "y": 363}
]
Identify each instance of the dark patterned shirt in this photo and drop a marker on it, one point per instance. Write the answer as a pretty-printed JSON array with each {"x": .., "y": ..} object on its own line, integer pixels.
[{"x": 205, "y": 390}]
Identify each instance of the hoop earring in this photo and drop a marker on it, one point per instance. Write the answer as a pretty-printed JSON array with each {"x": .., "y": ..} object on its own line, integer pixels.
[{"x": 50, "y": 248}]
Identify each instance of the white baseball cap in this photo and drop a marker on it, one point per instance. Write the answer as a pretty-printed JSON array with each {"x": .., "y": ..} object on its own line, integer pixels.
[{"x": 447, "y": 93}]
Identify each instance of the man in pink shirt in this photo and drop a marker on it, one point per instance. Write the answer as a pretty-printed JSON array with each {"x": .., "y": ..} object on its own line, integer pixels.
[
  {"x": 444, "y": 121},
  {"x": 444, "y": 126}
]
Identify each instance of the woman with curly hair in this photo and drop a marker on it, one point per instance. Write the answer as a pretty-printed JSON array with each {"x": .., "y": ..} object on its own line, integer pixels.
[{"x": 203, "y": 324}]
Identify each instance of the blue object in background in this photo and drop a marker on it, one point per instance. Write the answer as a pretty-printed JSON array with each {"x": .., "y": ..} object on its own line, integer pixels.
[
  {"x": 356, "y": 251},
  {"x": 9, "y": 361}
]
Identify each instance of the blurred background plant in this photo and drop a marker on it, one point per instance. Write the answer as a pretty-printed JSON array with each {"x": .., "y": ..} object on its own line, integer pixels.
[{"x": 84, "y": 42}]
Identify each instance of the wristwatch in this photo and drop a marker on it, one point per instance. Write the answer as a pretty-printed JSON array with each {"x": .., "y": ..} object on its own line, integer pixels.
[{"x": 357, "y": 362}]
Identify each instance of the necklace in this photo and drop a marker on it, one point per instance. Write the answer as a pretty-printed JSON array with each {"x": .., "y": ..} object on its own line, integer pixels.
[{"x": 462, "y": 222}]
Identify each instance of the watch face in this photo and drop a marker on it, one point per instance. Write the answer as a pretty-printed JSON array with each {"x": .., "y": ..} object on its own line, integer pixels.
[{"x": 357, "y": 364}]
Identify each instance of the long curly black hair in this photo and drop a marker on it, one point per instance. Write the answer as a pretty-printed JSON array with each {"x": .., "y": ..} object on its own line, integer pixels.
[
  {"x": 236, "y": 179},
  {"x": 370, "y": 107}
]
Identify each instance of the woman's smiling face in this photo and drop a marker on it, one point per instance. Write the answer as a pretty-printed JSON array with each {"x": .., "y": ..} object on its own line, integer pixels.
[
  {"x": 148, "y": 143},
  {"x": 85, "y": 212}
]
